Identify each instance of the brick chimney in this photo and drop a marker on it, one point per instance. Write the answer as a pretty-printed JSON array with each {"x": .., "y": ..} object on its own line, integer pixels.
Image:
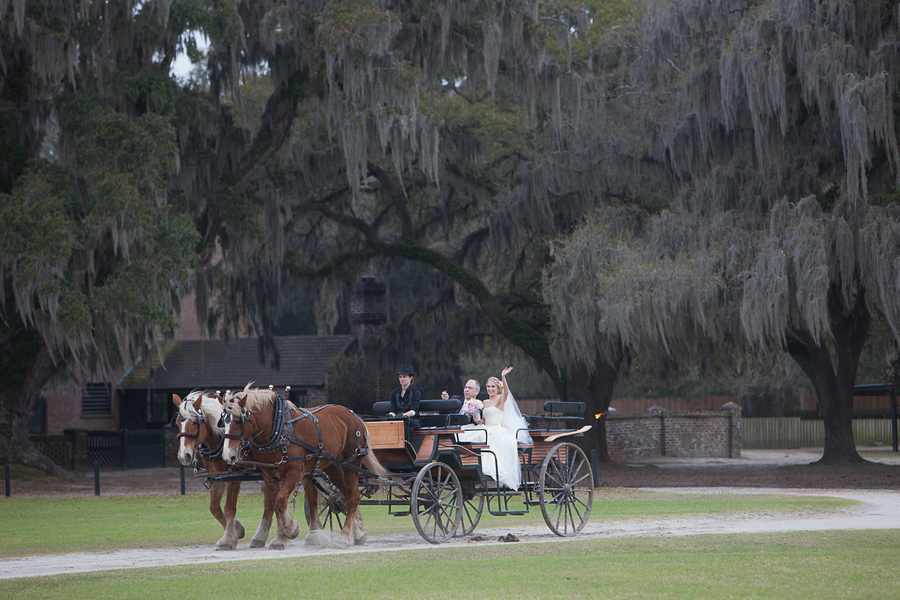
[{"x": 367, "y": 312}]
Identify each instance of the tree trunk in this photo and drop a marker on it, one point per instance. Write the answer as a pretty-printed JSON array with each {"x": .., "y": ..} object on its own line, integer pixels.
[
  {"x": 595, "y": 390},
  {"x": 27, "y": 366},
  {"x": 833, "y": 376}
]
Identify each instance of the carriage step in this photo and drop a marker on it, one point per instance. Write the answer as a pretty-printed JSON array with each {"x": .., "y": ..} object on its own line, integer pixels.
[{"x": 504, "y": 513}]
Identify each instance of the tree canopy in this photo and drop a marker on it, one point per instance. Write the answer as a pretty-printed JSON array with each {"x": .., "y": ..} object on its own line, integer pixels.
[
  {"x": 583, "y": 181},
  {"x": 774, "y": 126}
]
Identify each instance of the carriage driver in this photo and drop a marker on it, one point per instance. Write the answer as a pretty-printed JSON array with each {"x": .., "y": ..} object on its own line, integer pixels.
[{"x": 405, "y": 401}]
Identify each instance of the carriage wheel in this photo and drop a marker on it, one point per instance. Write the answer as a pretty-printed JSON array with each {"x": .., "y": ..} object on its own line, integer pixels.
[
  {"x": 566, "y": 489},
  {"x": 330, "y": 519},
  {"x": 436, "y": 502},
  {"x": 470, "y": 514}
]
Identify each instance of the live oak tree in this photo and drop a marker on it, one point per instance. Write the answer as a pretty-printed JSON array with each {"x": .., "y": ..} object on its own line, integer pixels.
[
  {"x": 769, "y": 129},
  {"x": 441, "y": 144},
  {"x": 113, "y": 170},
  {"x": 321, "y": 140},
  {"x": 106, "y": 173}
]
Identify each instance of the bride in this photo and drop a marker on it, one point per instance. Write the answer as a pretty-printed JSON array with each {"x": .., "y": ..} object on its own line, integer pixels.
[{"x": 503, "y": 423}]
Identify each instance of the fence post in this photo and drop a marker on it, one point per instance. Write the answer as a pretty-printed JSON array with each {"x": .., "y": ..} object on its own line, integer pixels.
[
  {"x": 182, "y": 480},
  {"x": 894, "y": 418},
  {"x": 662, "y": 433},
  {"x": 96, "y": 478},
  {"x": 124, "y": 449}
]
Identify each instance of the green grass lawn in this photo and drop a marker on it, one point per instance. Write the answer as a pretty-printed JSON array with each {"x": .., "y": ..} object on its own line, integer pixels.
[
  {"x": 94, "y": 524},
  {"x": 796, "y": 565}
]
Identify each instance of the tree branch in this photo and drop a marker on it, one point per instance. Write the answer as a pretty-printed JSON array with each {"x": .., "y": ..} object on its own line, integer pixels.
[
  {"x": 277, "y": 122},
  {"x": 470, "y": 240},
  {"x": 515, "y": 330},
  {"x": 322, "y": 207},
  {"x": 332, "y": 266},
  {"x": 397, "y": 197}
]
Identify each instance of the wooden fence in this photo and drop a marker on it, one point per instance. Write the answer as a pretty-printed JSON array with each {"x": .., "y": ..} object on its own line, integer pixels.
[{"x": 793, "y": 432}]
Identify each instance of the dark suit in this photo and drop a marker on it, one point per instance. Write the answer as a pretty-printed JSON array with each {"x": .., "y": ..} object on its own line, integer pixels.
[{"x": 405, "y": 403}]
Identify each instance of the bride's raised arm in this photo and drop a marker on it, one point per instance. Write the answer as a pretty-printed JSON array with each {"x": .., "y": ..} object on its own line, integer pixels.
[{"x": 505, "y": 393}]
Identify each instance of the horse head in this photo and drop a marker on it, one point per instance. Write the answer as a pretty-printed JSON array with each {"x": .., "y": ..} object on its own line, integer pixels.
[
  {"x": 189, "y": 421},
  {"x": 247, "y": 417},
  {"x": 235, "y": 417}
]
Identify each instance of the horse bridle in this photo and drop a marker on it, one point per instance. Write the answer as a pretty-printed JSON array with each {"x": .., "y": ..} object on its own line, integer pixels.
[
  {"x": 202, "y": 450},
  {"x": 227, "y": 418},
  {"x": 180, "y": 417}
]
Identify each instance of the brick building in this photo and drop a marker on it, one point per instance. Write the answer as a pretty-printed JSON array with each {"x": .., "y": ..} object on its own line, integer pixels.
[{"x": 140, "y": 397}]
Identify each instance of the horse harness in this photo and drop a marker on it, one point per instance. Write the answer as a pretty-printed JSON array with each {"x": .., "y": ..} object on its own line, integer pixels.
[{"x": 281, "y": 436}]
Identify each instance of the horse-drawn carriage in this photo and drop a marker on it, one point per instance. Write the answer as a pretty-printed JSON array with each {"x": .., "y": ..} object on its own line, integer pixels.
[{"x": 341, "y": 461}]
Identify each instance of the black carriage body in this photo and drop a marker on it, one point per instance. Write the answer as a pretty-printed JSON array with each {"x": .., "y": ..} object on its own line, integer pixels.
[{"x": 554, "y": 473}]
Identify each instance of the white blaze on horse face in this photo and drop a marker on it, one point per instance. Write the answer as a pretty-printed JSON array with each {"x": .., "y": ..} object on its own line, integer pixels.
[
  {"x": 183, "y": 454},
  {"x": 230, "y": 447}
]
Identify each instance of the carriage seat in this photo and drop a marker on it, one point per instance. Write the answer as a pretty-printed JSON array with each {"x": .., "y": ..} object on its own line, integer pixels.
[
  {"x": 443, "y": 413},
  {"x": 560, "y": 415}
]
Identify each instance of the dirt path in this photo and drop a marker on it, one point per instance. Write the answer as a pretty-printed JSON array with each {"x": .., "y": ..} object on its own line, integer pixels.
[{"x": 879, "y": 508}]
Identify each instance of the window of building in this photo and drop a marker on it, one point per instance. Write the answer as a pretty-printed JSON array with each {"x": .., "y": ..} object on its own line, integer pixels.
[
  {"x": 158, "y": 410},
  {"x": 95, "y": 399},
  {"x": 298, "y": 397}
]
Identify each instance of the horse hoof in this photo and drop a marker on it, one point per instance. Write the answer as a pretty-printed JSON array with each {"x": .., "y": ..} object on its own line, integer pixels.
[
  {"x": 294, "y": 532},
  {"x": 224, "y": 547},
  {"x": 240, "y": 529},
  {"x": 276, "y": 546},
  {"x": 258, "y": 544},
  {"x": 360, "y": 540}
]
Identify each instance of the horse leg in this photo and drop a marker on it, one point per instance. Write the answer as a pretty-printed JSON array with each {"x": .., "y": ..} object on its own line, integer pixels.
[
  {"x": 353, "y": 531},
  {"x": 288, "y": 528},
  {"x": 234, "y": 531},
  {"x": 359, "y": 532},
  {"x": 216, "y": 491},
  {"x": 269, "y": 490},
  {"x": 315, "y": 536}
]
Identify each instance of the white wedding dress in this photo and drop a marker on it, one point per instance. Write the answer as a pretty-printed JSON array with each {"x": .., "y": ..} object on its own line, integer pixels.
[{"x": 502, "y": 444}]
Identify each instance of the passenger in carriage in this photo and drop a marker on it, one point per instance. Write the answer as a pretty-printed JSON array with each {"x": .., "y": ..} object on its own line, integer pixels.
[
  {"x": 470, "y": 391},
  {"x": 405, "y": 401},
  {"x": 502, "y": 422}
]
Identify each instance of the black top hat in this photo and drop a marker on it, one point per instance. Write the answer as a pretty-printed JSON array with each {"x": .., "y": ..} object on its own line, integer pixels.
[{"x": 405, "y": 370}]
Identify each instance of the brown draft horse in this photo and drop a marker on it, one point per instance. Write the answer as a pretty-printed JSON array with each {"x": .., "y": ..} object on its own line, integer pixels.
[
  {"x": 295, "y": 446},
  {"x": 200, "y": 436}
]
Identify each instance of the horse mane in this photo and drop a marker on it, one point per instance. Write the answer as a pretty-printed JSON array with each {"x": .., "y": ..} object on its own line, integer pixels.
[
  {"x": 259, "y": 398},
  {"x": 210, "y": 408}
]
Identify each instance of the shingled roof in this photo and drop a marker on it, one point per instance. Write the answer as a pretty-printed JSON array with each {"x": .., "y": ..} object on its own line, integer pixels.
[{"x": 232, "y": 364}]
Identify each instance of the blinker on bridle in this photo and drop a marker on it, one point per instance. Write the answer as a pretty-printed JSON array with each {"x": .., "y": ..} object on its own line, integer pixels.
[
  {"x": 227, "y": 418},
  {"x": 181, "y": 418}
]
